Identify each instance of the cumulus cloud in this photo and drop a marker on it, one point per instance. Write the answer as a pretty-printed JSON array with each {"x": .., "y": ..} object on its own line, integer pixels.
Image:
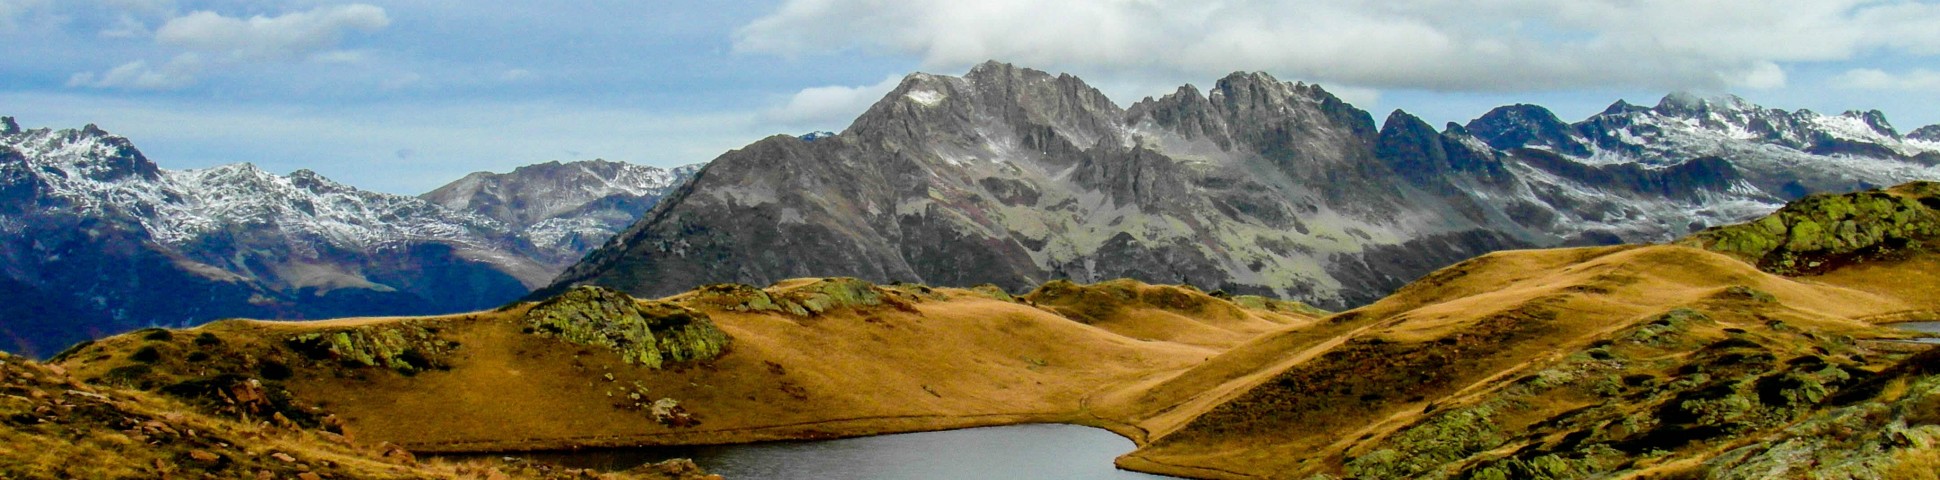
[
  {"x": 1498, "y": 45},
  {"x": 268, "y": 38},
  {"x": 821, "y": 107},
  {"x": 138, "y": 75},
  {"x": 1875, "y": 79},
  {"x": 209, "y": 40},
  {"x": 12, "y": 10}
]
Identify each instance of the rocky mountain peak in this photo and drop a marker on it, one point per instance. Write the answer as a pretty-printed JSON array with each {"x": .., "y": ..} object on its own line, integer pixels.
[
  {"x": 995, "y": 104},
  {"x": 314, "y": 182},
  {"x": 1622, "y": 107},
  {"x": 90, "y": 154},
  {"x": 1874, "y": 120},
  {"x": 1929, "y": 133},
  {"x": 1524, "y": 125},
  {"x": 1690, "y": 104},
  {"x": 1242, "y": 91},
  {"x": 8, "y": 126}
]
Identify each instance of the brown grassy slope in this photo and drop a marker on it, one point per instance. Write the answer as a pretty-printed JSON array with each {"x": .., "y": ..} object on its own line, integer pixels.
[
  {"x": 915, "y": 359},
  {"x": 1470, "y": 328},
  {"x": 54, "y": 426}
]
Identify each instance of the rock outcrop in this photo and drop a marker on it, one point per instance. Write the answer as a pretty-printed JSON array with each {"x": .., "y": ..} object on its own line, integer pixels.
[
  {"x": 652, "y": 334},
  {"x": 1826, "y": 231}
]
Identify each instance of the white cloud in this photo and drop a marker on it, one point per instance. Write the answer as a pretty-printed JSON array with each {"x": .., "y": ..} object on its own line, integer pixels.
[
  {"x": 285, "y": 36},
  {"x": 1874, "y": 79},
  {"x": 138, "y": 75},
  {"x": 1496, "y": 45},
  {"x": 12, "y": 10},
  {"x": 211, "y": 40},
  {"x": 830, "y": 106}
]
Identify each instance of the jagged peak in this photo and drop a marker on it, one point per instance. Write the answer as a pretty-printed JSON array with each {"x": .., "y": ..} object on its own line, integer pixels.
[
  {"x": 1401, "y": 118},
  {"x": 1684, "y": 101},
  {"x": 8, "y": 126},
  {"x": 1622, "y": 107},
  {"x": 1517, "y": 114},
  {"x": 1521, "y": 125},
  {"x": 1453, "y": 128},
  {"x": 1929, "y": 133},
  {"x": 995, "y": 71},
  {"x": 990, "y": 67},
  {"x": 1875, "y": 120}
]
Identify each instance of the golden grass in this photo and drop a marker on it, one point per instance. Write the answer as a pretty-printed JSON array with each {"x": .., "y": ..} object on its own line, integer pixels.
[
  {"x": 954, "y": 359},
  {"x": 1575, "y": 295},
  {"x": 1149, "y": 362}
]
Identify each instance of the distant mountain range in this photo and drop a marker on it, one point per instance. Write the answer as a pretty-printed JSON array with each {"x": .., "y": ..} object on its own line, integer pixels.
[
  {"x": 98, "y": 239},
  {"x": 1005, "y": 175},
  {"x": 1014, "y": 176}
]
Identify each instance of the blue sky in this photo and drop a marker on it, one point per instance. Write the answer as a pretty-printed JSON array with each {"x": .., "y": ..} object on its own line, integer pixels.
[{"x": 402, "y": 96}]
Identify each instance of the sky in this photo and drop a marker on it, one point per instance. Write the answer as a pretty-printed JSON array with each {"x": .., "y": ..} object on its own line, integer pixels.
[{"x": 404, "y": 96}]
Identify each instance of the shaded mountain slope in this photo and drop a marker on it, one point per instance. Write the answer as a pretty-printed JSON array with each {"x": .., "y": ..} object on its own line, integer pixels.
[{"x": 98, "y": 239}]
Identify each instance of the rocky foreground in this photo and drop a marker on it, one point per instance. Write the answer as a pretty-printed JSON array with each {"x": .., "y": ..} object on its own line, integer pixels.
[{"x": 55, "y": 426}]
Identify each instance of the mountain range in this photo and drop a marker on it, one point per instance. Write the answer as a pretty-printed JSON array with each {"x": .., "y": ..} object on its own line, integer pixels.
[
  {"x": 1005, "y": 175},
  {"x": 1756, "y": 350},
  {"x": 1014, "y": 177},
  {"x": 99, "y": 239}
]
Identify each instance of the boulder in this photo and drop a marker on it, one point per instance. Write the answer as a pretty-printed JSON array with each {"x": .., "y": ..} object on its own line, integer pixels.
[{"x": 643, "y": 333}]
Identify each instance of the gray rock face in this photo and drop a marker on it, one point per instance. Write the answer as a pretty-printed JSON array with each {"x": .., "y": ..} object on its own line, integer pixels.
[
  {"x": 1014, "y": 176},
  {"x": 1930, "y": 133},
  {"x": 564, "y": 209}
]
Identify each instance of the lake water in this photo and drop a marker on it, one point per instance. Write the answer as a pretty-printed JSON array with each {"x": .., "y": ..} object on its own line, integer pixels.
[
  {"x": 1928, "y": 327},
  {"x": 1007, "y": 452}
]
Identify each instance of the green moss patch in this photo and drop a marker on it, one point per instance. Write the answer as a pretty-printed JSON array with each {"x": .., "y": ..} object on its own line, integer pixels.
[
  {"x": 650, "y": 333},
  {"x": 1822, "y": 232}
]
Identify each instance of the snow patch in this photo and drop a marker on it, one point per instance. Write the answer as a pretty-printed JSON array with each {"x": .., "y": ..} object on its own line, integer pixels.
[{"x": 927, "y": 98}]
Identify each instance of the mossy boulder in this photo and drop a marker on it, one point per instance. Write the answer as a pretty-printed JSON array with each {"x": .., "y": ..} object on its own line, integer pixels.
[
  {"x": 652, "y": 334},
  {"x": 407, "y": 346},
  {"x": 828, "y": 294},
  {"x": 739, "y": 297},
  {"x": 1822, "y": 232},
  {"x": 809, "y": 298}
]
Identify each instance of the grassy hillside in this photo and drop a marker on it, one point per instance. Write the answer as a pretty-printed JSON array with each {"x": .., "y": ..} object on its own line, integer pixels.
[
  {"x": 56, "y": 426},
  {"x": 806, "y": 358},
  {"x": 1745, "y": 351},
  {"x": 1633, "y": 361}
]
